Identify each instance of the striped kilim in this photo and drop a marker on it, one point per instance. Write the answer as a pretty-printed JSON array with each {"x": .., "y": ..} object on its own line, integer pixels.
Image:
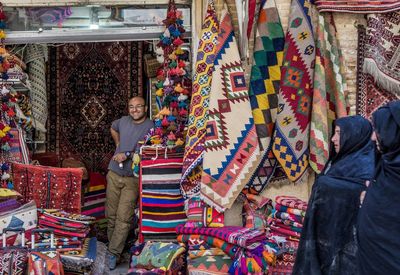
[
  {"x": 329, "y": 99},
  {"x": 263, "y": 89},
  {"x": 358, "y": 6},
  {"x": 231, "y": 146},
  {"x": 161, "y": 202},
  {"x": 198, "y": 116},
  {"x": 292, "y": 126}
]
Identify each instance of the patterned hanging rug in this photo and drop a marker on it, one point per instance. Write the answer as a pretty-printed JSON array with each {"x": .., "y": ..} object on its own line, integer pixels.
[
  {"x": 382, "y": 50},
  {"x": 231, "y": 146},
  {"x": 88, "y": 87},
  {"x": 295, "y": 95},
  {"x": 329, "y": 98},
  {"x": 263, "y": 89},
  {"x": 198, "y": 116},
  {"x": 369, "y": 96}
]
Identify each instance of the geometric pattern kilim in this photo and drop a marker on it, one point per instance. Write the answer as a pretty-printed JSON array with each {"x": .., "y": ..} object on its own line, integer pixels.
[
  {"x": 231, "y": 146},
  {"x": 264, "y": 87},
  {"x": 329, "y": 98},
  {"x": 198, "y": 114},
  {"x": 295, "y": 95}
]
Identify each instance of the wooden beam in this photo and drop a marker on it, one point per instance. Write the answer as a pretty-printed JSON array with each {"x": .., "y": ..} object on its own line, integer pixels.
[{"x": 59, "y": 3}]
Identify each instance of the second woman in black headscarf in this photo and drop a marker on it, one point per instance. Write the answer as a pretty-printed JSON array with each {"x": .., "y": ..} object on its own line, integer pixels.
[
  {"x": 379, "y": 219},
  {"x": 328, "y": 242}
]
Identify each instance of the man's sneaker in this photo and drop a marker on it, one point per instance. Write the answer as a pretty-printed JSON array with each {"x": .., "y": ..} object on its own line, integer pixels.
[{"x": 112, "y": 261}]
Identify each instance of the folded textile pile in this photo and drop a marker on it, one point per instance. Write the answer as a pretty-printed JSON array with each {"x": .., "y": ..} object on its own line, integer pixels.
[
  {"x": 288, "y": 217},
  {"x": 65, "y": 224},
  {"x": 15, "y": 216},
  {"x": 245, "y": 247},
  {"x": 94, "y": 200},
  {"x": 157, "y": 258},
  {"x": 286, "y": 223},
  {"x": 78, "y": 253},
  {"x": 8, "y": 200},
  {"x": 80, "y": 261}
]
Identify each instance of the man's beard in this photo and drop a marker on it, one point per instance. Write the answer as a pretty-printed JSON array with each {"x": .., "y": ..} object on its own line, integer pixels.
[{"x": 139, "y": 118}]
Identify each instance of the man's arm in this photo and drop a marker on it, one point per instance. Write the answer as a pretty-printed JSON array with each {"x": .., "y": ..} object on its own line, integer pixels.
[{"x": 115, "y": 136}]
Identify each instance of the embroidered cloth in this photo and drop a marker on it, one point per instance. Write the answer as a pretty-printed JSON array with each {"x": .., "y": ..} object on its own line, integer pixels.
[{"x": 49, "y": 187}]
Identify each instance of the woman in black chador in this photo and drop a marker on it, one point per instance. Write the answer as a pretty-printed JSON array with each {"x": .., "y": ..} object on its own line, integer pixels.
[
  {"x": 328, "y": 241},
  {"x": 379, "y": 218}
]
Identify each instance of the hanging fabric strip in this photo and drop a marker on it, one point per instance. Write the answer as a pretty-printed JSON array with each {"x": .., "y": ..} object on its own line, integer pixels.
[
  {"x": 264, "y": 87},
  {"x": 198, "y": 115},
  {"x": 329, "y": 99}
]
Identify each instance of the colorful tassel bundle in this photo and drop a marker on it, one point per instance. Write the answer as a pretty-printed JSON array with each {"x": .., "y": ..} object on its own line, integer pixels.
[{"x": 173, "y": 85}]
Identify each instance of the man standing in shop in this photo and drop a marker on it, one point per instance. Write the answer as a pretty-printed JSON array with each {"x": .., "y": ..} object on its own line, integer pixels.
[{"x": 122, "y": 186}]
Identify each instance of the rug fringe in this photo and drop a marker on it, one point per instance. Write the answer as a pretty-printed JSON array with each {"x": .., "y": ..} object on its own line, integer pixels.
[
  {"x": 212, "y": 204},
  {"x": 380, "y": 78}
]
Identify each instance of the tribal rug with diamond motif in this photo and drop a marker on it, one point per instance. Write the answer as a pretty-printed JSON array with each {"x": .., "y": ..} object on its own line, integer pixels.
[
  {"x": 89, "y": 85},
  {"x": 231, "y": 148},
  {"x": 198, "y": 116},
  {"x": 292, "y": 126}
]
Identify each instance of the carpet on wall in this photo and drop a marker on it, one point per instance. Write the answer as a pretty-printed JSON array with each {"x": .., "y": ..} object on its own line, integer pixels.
[
  {"x": 369, "y": 96},
  {"x": 89, "y": 85}
]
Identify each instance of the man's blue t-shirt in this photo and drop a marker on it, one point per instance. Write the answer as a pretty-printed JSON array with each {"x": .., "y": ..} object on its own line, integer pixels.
[{"x": 129, "y": 135}]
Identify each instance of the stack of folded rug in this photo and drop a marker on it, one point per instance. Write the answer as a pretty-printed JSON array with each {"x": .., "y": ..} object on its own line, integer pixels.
[{"x": 286, "y": 224}]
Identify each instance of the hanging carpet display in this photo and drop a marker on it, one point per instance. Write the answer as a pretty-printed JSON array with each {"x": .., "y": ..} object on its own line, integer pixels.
[
  {"x": 89, "y": 87},
  {"x": 263, "y": 89},
  {"x": 329, "y": 98},
  {"x": 232, "y": 150},
  {"x": 369, "y": 96},
  {"x": 199, "y": 104},
  {"x": 382, "y": 50},
  {"x": 295, "y": 95}
]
